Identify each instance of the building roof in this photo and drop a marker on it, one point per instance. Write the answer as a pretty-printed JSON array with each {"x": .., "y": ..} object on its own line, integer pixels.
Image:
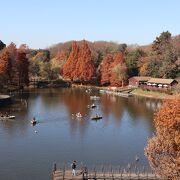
[
  {"x": 141, "y": 78},
  {"x": 161, "y": 81}
]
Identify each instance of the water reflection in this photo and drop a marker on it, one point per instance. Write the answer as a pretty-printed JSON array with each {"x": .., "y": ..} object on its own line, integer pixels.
[
  {"x": 49, "y": 105},
  {"x": 116, "y": 139}
]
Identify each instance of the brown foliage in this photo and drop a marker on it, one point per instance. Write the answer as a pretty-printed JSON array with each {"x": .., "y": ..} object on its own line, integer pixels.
[
  {"x": 4, "y": 62},
  {"x": 105, "y": 69},
  {"x": 22, "y": 65},
  {"x": 61, "y": 56},
  {"x": 163, "y": 150},
  {"x": 84, "y": 69},
  {"x": 119, "y": 70},
  {"x": 70, "y": 64},
  {"x": 113, "y": 70},
  {"x": 79, "y": 65}
]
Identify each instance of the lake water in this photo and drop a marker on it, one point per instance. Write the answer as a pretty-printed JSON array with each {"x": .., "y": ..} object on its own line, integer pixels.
[{"x": 28, "y": 152}]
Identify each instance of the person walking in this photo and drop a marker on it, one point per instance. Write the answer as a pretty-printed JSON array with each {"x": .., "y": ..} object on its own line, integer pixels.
[{"x": 73, "y": 165}]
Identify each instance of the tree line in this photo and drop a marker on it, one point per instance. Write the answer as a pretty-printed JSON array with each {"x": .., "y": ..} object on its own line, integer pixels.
[{"x": 101, "y": 63}]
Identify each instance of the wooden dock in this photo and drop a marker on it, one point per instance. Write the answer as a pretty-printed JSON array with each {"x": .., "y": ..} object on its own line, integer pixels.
[{"x": 84, "y": 174}]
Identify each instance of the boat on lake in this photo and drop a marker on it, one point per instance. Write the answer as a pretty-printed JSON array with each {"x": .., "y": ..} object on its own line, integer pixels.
[
  {"x": 94, "y": 97},
  {"x": 33, "y": 121},
  {"x": 97, "y": 117},
  {"x": 93, "y": 106},
  {"x": 7, "y": 117}
]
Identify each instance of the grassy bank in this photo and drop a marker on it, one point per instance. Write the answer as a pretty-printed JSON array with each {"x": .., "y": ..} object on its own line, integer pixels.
[{"x": 152, "y": 94}]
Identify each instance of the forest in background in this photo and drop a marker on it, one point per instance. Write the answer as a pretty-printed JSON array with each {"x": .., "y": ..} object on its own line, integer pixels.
[{"x": 100, "y": 63}]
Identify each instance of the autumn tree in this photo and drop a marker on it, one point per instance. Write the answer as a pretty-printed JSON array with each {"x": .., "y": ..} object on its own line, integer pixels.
[
  {"x": 42, "y": 55},
  {"x": 48, "y": 72},
  {"x": 70, "y": 64},
  {"x": 163, "y": 150},
  {"x": 105, "y": 70},
  {"x": 61, "y": 56},
  {"x": 34, "y": 68},
  {"x": 118, "y": 70},
  {"x": 12, "y": 50},
  {"x": 85, "y": 68},
  {"x": 59, "y": 60},
  {"x": 4, "y": 63},
  {"x": 22, "y": 65}
]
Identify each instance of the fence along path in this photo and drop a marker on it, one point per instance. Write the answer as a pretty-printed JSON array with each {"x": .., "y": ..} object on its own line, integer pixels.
[{"x": 102, "y": 173}]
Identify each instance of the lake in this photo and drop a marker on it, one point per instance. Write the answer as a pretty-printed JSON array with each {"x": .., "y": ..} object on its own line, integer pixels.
[{"x": 28, "y": 152}]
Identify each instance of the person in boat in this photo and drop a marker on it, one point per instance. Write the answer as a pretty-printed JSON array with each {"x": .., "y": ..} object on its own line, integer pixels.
[{"x": 34, "y": 120}]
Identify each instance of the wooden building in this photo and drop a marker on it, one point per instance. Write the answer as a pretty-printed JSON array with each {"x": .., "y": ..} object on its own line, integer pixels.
[
  {"x": 138, "y": 80},
  {"x": 160, "y": 84}
]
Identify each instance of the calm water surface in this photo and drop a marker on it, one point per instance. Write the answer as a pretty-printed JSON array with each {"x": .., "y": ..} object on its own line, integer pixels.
[{"x": 28, "y": 152}]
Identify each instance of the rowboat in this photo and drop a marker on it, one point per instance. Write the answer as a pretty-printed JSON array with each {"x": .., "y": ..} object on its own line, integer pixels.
[
  {"x": 96, "y": 117},
  {"x": 93, "y": 106},
  {"x": 7, "y": 117},
  {"x": 94, "y": 97},
  {"x": 33, "y": 122}
]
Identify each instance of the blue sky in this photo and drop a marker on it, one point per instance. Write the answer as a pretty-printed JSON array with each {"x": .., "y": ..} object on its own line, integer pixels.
[{"x": 41, "y": 23}]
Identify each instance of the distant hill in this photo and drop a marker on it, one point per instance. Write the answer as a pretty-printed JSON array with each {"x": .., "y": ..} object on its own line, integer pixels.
[{"x": 101, "y": 47}]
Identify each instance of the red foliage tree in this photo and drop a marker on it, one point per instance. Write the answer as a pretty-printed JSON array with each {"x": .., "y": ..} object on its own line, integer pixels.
[
  {"x": 105, "y": 69},
  {"x": 163, "y": 150},
  {"x": 85, "y": 69},
  {"x": 118, "y": 70},
  {"x": 70, "y": 64}
]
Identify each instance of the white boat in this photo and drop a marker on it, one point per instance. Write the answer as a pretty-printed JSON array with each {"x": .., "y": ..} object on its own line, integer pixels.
[
  {"x": 94, "y": 97},
  {"x": 79, "y": 115},
  {"x": 7, "y": 117}
]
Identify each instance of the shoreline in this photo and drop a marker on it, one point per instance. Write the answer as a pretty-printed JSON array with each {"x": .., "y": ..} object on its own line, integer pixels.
[
  {"x": 137, "y": 92},
  {"x": 153, "y": 94}
]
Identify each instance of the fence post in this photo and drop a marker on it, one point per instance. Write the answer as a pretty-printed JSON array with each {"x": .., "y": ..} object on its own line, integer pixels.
[
  {"x": 54, "y": 167},
  {"x": 63, "y": 172},
  {"x": 84, "y": 173},
  {"x": 121, "y": 173},
  {"x": 94, "y": 174}
]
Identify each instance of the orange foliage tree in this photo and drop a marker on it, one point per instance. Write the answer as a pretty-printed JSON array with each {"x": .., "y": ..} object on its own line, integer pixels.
[
  {"x": 163, "y": 150},
  {"x": 105, "y": 69},
  {"x": 119, "y": 70},
  {"x": 84, "y": 69},
  {"x": 70, "y": 64},
  {"x": 4, "y": 63}
]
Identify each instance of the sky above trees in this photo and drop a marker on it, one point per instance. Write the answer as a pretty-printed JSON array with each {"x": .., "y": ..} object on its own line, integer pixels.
[{"x": 41, "y": 23}]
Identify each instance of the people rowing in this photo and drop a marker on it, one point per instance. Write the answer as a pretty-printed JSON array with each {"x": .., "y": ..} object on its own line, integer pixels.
[
  {"x": 33, "y": 122},
  {"x": 78, "y": 115}
]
